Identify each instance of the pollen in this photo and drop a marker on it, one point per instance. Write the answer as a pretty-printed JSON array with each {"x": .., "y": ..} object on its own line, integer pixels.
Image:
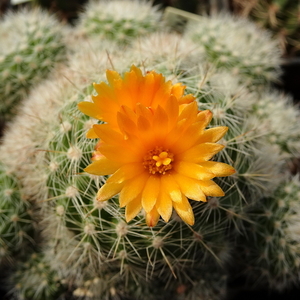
[{"x": 158, "y": 161}]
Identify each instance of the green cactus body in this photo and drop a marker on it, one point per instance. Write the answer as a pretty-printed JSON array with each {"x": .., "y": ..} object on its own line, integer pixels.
[
  {"x": 32, "y": 42},
  {"x": 276, "y": 109},
  {"x": 33, "y": 279},
  {"x": 270, "y": 253},
  {"x": 104, "y": 248},
  {"x": 16, "y": 229},
  {"x": 120, "y": 21},
  {"x": 231, "y": 44},
  {"x": 101, "y": 244}
]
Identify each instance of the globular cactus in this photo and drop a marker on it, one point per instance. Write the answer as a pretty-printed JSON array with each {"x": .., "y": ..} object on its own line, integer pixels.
[
  {"x": 101, "y": 244},
  {"x": 120, "y": 21},
  {"x": 281, "y": 17},
  {"x": 17, "y": 227},
  {"x": 280, "y": 116},
  {"x": 269, "y": 255},
  {"x": 169, "y": 53},
  {"x": 31, "y": 44},
  {"x": 231, "y": 43},
  {"x": 32, "y": 278}
]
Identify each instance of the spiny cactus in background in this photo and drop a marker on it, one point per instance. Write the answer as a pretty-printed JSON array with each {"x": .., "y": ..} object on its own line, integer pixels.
[
  {"x": 231, "y": 43},
  {"x": 120, "y": 21},
  {"x": 280, "y": 116},
  {"x": 31, "y": 42},
  {"x": 270, "y": 255},
  {"x": 33, "y": 279},
  {"x": 16, "y": 228},
  {"x": 281, "y": 17},
  {"x": 169, "y": 53}
]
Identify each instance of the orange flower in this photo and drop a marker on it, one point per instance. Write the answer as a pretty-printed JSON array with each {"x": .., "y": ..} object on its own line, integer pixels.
[
  {"x": 156, "y": 148},
  {"x": 150, "y": 90}
]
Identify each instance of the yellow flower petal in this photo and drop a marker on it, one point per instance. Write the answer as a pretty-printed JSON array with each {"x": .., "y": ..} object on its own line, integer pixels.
[
  {"x": 113, "y": 77},
  {"x": 190, "y": 187},
  {"x": 126, "y": 172},
  {"x": 210, "y": 188},
  {"x": 108, "y": 134},
  {"x": 213, "y": 134},
  {"x": 132, "y": 189},
  {"x": 170, "y": 187},
  {"x": 190, "y": 136},
  {"x": 178, "y": 90},
  {"x": 129, "y": 113},
  {"x": 172, "y": 108},
  {"x": 108, "y": 190},
  {"x": 90, "y": 109},
  {"x": 133, "y": 208},
  {"x": 91, "y": 134},
  {"x": 150, "y": 193},
  {"x": 104, "y": 90},
  {"x": 189, "y": 112},
  {"x": 152, "y": 217},
  {"x": 201, "y": 152},
  {"x": 164, "y": 205},
  {"x": 102, "y": 166},
  {"x": 162, "y": 94},
  {"x": 185, "y": 211},
  {"x": 143, "y": 125},
  {"x": 120, "y": 153},
  {"x": 204, "y": 117},
  {"x": 193, "y": 170},
  {"x": 186, "y": 99},
  {"x": 219, "y": 169},
  {"x": 144, "y": 111}
]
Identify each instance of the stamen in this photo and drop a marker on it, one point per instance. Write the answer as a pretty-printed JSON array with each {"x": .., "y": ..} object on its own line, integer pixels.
[{"x": 158, "y": 160}]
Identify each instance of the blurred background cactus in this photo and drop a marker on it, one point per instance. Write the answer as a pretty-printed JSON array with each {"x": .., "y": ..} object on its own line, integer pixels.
[
  {"x": 31, "y": 44},
  {"x": 58, "y": 242},
  {"x": 281, "y": 17},
  {"x": 231, "y": 43},
  {"x": 17, "y": 228},
  {"x": 119, "y": 20}
]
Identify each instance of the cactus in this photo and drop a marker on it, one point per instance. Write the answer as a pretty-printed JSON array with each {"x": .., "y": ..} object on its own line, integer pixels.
[
  {"x": 281, "y": 17},
  {"x": 120, "y": 21},
  {"x": 104, "y": 249},
  {"x": 89, "y": 248},
  {"x": 231, "y": 43},
  {"x": 270, "y": 255},
  {"x": 33, "y": 279},
  {"x": 278, "y": 109},
  {"x": 16, "y": 230},
  {"x": 31, "y": 43}
]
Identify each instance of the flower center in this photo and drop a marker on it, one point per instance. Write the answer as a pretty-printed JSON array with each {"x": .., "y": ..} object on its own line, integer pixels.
[{"x": 158, "y": 160}]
